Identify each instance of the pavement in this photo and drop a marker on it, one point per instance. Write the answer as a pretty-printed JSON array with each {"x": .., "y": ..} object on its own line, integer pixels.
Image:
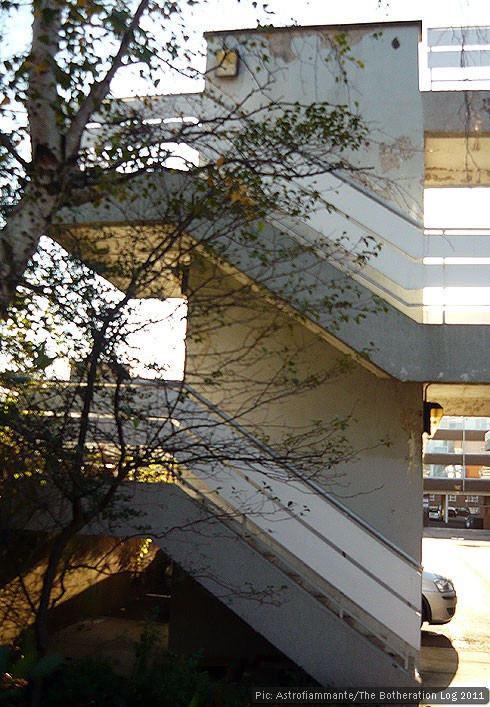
[
  {"x": 458, "y": 653},
  {"x": 448, "y": 532},
  {"x": 442, "y": 666}
]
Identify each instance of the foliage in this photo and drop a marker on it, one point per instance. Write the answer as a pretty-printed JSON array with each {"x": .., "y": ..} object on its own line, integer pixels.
[
  {"x": 85, "y": 682},
  {"x": 19, "y": 666},
  {"x": 68, "y": 450},
  {"x": 174, "y": 682},
  {"x": 63, "y": 143},
  {"x": 166, "y": 679}
]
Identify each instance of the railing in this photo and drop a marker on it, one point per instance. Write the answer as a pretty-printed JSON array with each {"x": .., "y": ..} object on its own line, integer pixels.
[
  {"x": 304, "y": 525},
  {"x": 457, "y": 278},
  {"x": 455, "y": 59},
  {"x": 296, "y": 514},
  {"x": 434, "y": 472},
  {"x": 436, "y": 275},
  {"x": 416, "y": 270},
  {"x": 297, "y": 473}
]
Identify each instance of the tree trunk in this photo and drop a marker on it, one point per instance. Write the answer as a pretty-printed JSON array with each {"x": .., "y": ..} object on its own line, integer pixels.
[{"x": 20, "y": 236}]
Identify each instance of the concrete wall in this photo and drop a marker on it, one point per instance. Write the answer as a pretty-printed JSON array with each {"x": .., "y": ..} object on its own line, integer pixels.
[
  {"x": 380, "y": 68},
  {"x": 236, "y": 357},
  {"x": 201, "y": 625},
  {"x": 259, "y": 592},
  {"x": 404, "y": 348},
  {"x": 102, "y": 574},
  {"x": 301, "y": 619}
]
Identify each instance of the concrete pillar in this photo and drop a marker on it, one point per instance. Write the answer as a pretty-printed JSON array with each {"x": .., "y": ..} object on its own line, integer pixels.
[
  {"x": 486, "y": 512},
  {"x": 444, "y": 507}
]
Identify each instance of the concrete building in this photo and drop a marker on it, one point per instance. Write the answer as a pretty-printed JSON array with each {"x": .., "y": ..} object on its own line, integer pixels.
[
  {"x": 456, "y": 468},
  {"x": 346, "y": 573}
]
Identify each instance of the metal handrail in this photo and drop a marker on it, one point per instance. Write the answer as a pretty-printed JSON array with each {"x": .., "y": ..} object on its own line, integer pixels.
[
  {"x": 319, "y": 490},
  {"x": 359, "y": 274},
  {"x": 446, "y": 231},
  {"x": 311, "y": 582},
  {"x": 357, "y": 562}
]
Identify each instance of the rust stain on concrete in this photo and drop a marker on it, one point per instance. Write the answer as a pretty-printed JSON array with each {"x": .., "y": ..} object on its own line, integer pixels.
[{"x": 393, "y": 154}]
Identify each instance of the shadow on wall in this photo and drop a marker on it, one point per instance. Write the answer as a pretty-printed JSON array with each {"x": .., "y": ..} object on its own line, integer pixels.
[{"x": 107, "y": 575}]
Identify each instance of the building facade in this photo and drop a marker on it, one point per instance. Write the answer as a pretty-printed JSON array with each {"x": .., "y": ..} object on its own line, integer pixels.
[{"x": 342, "y": 548}]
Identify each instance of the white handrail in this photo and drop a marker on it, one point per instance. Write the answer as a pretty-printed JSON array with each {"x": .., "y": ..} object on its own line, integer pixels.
[
  {"x": 455, "y": 58},
  {"x": 231, "y": 466},
  {"x": 299, "y": 474},
  {"x": 341, "y": 549}
]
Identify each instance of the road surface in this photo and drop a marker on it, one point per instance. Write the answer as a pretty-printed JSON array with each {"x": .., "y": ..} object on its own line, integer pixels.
[{"x": 458, "y": 653}]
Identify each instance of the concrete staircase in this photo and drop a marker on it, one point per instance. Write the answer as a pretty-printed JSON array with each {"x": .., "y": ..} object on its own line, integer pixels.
[{"x": 314, "y": 579}]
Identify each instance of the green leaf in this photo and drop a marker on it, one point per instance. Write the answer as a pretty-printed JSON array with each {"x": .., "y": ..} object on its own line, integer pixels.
[{"x": 195, "y": 700}]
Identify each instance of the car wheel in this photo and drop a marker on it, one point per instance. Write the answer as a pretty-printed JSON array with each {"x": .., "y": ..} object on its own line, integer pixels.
[{"x": 425, "y": 611}]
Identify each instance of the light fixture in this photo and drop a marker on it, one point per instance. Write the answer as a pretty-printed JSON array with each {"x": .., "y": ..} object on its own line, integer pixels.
[
  {"x": 433, "y": 413},
  {"x": 226, "y": 62}
]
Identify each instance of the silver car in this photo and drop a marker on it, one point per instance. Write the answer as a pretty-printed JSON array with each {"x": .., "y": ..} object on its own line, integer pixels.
[
  {"x": 438, "y": 598},
  {"x": 435, "y": 514}
]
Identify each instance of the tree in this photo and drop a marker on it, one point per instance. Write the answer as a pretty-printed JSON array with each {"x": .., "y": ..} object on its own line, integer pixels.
[
  {"x": 61, "y": 82},
  {"x": 91, "y": 161},
  {"x": 57, "y": 87}
]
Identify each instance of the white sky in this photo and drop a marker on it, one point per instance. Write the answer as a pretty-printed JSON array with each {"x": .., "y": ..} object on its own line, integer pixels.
[
  {"x": 433, "y": 12},
  {"x": 457, "y": 208},
  {"x": 210, "y": 15}
]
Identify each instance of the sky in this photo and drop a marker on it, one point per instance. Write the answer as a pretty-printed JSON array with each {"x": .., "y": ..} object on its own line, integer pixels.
[
  {"x": 212, "y": 15},
  {"x": 433, "y": 12},
  {"x": 209, "y": 15}
]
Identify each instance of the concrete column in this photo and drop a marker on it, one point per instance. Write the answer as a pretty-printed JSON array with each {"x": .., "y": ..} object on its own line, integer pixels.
[{"x": 486, "y": 512}]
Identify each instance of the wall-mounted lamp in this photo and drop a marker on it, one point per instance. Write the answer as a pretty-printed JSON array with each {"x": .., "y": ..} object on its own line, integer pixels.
[
  {"x": 433, "y": 414},
  {"x": 226, "y": 62}
]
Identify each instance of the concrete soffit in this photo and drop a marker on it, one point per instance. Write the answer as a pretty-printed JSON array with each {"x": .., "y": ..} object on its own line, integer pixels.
[{"x": 399, "y": 346}]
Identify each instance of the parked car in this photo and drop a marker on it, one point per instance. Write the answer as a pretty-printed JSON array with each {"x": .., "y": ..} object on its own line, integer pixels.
[
  {"x": 435, "y": 513},
  {"x": 438, "y": 598},
  {"x": 474, "y": 521}
]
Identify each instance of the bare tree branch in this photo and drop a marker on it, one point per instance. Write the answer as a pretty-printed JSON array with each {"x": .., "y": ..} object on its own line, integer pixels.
[{"x": 100, "y": 89}]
